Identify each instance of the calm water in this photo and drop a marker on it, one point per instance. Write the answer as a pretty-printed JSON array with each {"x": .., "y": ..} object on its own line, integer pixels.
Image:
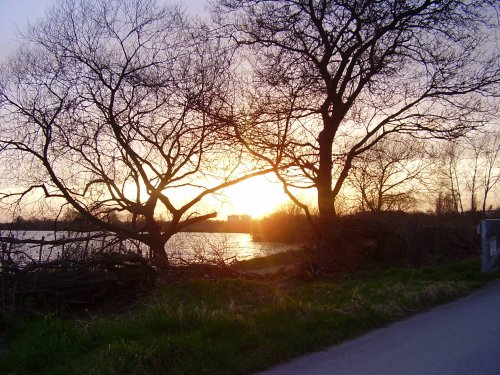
[{"x": 182, "y": 246}]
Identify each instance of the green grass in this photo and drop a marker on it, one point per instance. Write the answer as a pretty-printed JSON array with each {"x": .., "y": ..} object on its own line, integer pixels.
[
  {"x": 275, "y": 260},
  {"x": 229, "y": 326}
]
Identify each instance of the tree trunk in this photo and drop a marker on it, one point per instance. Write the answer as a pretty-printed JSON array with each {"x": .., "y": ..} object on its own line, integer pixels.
[
  {"x": 158, "y": 254},
  {"x": 329, "y": 240},
  {"x": 328, "y": 244},
  {"x": 157, "y": 245},
  {"x": 332, "y": 249}
]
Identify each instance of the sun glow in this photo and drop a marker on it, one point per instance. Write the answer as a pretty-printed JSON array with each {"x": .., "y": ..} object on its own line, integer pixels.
[{"x": 256, "y": 197}]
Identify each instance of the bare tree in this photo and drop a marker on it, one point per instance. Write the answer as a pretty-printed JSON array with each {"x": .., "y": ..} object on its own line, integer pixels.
[
  {"x": 490, "y": 175},
  {"x": 334, "y": 77},
  {"x": 450, "y": 173},
  {"x": 444, "y": 204},
  {"x": 470, "y": 166},
  {"x": 474, "y": 170},
  {"x": 100, "y": 108},
  {"x": 389, "y": 175}
]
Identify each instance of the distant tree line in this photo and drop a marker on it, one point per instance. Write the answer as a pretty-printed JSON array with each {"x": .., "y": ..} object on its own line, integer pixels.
[
  {"x": 407, "y": 174},
  {"x": 32, "y": 224}
]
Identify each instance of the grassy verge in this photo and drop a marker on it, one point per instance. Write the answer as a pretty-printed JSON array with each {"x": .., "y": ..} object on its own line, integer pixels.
[
  {"x": 274, "y": 261},
  {"x": 230, "y": 326}
]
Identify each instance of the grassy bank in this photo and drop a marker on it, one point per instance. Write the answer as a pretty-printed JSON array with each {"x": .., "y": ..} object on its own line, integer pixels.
[{"x": 230, "y": 326}]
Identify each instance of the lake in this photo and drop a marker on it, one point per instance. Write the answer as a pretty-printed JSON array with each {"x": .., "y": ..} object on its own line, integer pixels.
[{"x": 184, "y": 246}]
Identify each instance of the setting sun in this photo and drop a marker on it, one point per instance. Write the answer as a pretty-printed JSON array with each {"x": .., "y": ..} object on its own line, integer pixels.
[{"x": 256, "y": 197}]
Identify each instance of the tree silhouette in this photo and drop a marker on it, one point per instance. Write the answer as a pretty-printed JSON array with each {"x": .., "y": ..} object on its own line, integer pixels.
[
  {"x": 387, "y": 176},
  {"x": 100, "y": 109},
  {"x": 331, "y": 78}
]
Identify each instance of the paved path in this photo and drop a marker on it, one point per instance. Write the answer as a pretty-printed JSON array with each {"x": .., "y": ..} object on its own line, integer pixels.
[{"x": 462, "y": 337}]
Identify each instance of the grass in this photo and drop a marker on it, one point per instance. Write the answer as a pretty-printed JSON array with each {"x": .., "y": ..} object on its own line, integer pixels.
[
  {"x": 229, "y": 326},
  {"x": 274, "y": 260}
]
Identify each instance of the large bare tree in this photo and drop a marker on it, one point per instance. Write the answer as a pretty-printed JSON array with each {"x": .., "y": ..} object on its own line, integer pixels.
[
  {"x": 100, "y": 110},
  {"x": 331, "y": 78}
]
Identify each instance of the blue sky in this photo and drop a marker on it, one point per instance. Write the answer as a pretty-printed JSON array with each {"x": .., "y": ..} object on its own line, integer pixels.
[{"x": 15, "y": 14}]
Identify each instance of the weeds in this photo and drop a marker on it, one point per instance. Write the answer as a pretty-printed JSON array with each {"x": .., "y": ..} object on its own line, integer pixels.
[{"x": 229, "y": 326}]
